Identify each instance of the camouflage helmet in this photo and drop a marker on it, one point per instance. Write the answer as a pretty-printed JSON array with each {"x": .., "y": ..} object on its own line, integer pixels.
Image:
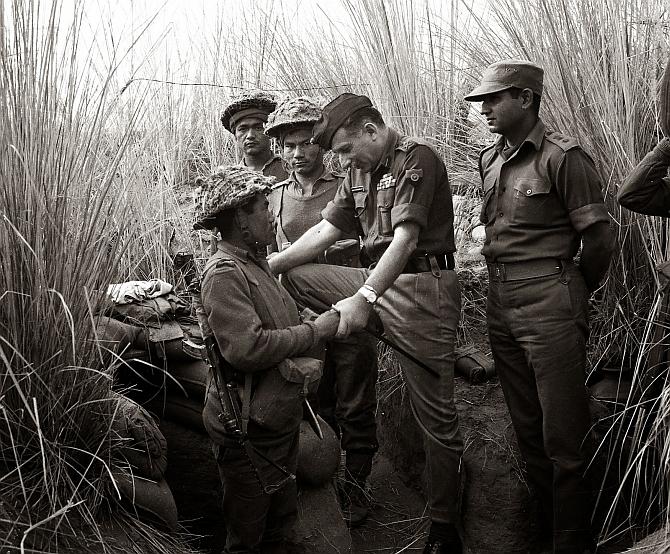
[
  {"x": 228, "y": 187},
  {"x": 250, "y": 103},
  {"x": 290, "y": 113}
]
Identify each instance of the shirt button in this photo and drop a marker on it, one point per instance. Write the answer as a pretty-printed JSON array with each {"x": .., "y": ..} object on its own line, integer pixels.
[
  {"x": 529, "y": 191},
  {"x": 500, "y": 214}
]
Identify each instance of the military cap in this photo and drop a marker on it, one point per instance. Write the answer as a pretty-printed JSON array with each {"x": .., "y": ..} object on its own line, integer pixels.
[
  {"x": 507, "y": 74},
  {"x": 292, "y": 112},
  {"x": 228, "y": 187},
  {"x": 250, "y": 103},
  {"x": 334, "y": 114}
]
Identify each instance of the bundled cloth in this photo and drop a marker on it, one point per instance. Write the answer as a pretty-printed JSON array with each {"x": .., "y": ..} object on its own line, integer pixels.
[{"x": 134, "y": 291}]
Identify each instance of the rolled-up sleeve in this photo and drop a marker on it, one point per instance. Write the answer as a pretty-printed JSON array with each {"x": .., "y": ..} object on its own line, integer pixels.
[
  {"x": 415, "y": 187},
  {"x": 646, "y": 189},
  {"x": 578, "y": 184},
  {"x": 238, "y": 330}
]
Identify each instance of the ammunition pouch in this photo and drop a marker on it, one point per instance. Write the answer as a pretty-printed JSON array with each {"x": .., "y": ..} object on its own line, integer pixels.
[{"x": 276, "y": 402}]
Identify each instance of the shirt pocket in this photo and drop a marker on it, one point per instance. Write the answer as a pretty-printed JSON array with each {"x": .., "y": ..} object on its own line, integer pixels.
[
  {"x": 529, "y": 203},
  {"x": 360, "y": 203},
  {"x": 385, "y": 198}
]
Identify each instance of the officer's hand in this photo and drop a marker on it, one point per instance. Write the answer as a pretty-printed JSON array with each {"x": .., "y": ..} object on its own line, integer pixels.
[
  {"x": 354, "y": 314},
  {"x": 327, "y": 323}
]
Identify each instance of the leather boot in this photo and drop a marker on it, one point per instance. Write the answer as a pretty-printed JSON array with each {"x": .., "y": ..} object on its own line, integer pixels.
[{"x": 355, "y": 498}]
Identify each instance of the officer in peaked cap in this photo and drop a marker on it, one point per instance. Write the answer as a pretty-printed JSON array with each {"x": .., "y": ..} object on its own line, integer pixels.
[
  {"x": 347, "y": 393},
  {"x": 245, "y": 117},
  {"x": 256, "y": 328},
  {"x": 542, "y": 200},
  {"x": 395, "y": 195}
]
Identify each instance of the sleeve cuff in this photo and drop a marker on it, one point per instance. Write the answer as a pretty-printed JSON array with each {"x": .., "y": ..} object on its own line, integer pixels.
[
  {"x": 586, "y": 216},
  {"x": 664, "y": 147},
  {"x": 338, "y": 217},
  {"x": 414, "y": 213}
]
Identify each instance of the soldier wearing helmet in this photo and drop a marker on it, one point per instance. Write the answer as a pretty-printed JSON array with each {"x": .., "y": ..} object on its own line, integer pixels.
[
  {"x": 244, "y": 117},
  {"x": 347, "y": 395},
  {"x": 257, "y": 329}
]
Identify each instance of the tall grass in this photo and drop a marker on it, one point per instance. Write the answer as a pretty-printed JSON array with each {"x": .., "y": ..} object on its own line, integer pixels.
[{"x": 64, "y": 220}]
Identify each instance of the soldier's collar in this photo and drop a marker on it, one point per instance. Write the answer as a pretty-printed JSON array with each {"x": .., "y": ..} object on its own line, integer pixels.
[
  {"x": 535, "y": 137},
  {"x": 389, "y": 150},
  {"x": 241, "y": 254}
]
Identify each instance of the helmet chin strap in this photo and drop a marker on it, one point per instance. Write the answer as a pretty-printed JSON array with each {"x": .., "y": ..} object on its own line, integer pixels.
[{"x": 242, "y": 221}]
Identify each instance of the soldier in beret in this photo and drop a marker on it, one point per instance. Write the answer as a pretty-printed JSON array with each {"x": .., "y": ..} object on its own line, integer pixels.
[
  {"x": 542, "y": 200},
  {"x": 396, "y": 196},
  {"x": 347, "y": 395},
  {"x": 245, "y": 117},
  {"x": 259, "y": 497}
]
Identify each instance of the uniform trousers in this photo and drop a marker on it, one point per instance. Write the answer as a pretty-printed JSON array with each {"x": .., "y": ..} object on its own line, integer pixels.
[
  {"x": 348, "y": 399},
  {"x": 420, "y": 312},
  {"x": 257, "y": 522},
  {"x": 538, "y": 331}
]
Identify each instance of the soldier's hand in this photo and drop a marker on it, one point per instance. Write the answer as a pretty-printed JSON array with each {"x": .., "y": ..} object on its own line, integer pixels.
[
  {"x": 354, "y": 314},
  {"x": 327, "y": 324}
]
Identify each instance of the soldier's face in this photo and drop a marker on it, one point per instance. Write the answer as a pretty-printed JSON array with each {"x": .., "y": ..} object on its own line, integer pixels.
[
  {"x": 301, "y": 156},
  {"x": 360, "y": 149},
  {"x": 259, "y": 220},
  {"x": 503, "y": 112},
  {"x": 251, "y": 139}
]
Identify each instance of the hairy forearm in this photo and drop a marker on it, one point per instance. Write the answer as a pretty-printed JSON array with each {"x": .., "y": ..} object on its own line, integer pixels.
[
  {"x": 395, "y": 258},
  {"x": 312, "y": 243}
]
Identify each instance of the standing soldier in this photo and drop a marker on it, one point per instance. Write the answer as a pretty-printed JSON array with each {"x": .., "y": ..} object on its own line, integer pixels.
[
  {"x": 542, "y": 199},
  {"x": 350, "y": 372},
  {"x": 396, "y": 196},
  {"x": 245, "y": 118},
  {"x": 260, "y": 349}
]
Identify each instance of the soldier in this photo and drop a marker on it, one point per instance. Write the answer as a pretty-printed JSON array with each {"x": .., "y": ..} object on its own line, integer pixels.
[
  {"x": 347, "y": 396},
  {"x": 254, "y": 325},
  {"x": 542, "y": 199},
  {"x": 396, "y": 196},
  {"x": 244, "y": 118},
  {"x": 646, "y": 190}
]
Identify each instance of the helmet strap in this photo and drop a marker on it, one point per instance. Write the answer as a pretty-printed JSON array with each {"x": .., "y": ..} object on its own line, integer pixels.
[{"x": 242, "y": 221}]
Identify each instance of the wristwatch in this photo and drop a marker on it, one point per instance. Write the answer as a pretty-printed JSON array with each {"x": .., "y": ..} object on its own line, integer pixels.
[{"x": 369, "y": 294}]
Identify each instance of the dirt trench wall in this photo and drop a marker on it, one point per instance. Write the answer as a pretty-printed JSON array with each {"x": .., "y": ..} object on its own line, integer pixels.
[{"x": 496, "y": 505}]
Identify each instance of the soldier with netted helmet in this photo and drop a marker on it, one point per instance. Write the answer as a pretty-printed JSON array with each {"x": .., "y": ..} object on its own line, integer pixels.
[
  {"x": 347, "y": 395},
  {"x": 254, "y": 324},
  {"x": 244, "y": 117}
]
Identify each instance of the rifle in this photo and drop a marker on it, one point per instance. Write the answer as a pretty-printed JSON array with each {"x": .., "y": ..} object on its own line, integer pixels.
[{"x": 231, "y": 406}]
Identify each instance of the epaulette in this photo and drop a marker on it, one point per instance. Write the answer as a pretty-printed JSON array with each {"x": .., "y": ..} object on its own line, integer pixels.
[
  {"x": 217, "y": 262},
  {"x": 563, "y": 142},
  {"x": 407, "y": 143},
  {"x": 338, "y": 174},
  {"x": 280, "y": 184}
]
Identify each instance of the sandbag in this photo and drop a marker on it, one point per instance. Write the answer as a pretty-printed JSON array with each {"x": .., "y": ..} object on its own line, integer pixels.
[
  {"x": 151, "y": 500},
  {"x": 143, "y": 446},
  {"x": 318, "y": 459},
  {"x": 176, "y": 407},
  {"x": 191, "y": 376}
]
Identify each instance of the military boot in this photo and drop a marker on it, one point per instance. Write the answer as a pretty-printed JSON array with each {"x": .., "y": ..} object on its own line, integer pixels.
[
  {"x": 355, "y": 496},
  {"x": 443, "y": 539}
]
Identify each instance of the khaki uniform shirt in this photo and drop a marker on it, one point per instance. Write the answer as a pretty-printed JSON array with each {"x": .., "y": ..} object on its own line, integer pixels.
[
  {"x": 647, "y": 188},
  {"x": 274, "y": 167},
  {"x": 539, "y": 199},
  {"x": 410, "y": 184}
]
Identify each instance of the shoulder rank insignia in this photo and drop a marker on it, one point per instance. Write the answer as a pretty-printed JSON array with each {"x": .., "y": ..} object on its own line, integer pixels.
[{"x": 386, "y": 182}]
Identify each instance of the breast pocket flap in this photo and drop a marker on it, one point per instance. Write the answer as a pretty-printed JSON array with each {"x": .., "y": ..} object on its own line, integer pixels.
[{"x": 532, "y": 187}]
